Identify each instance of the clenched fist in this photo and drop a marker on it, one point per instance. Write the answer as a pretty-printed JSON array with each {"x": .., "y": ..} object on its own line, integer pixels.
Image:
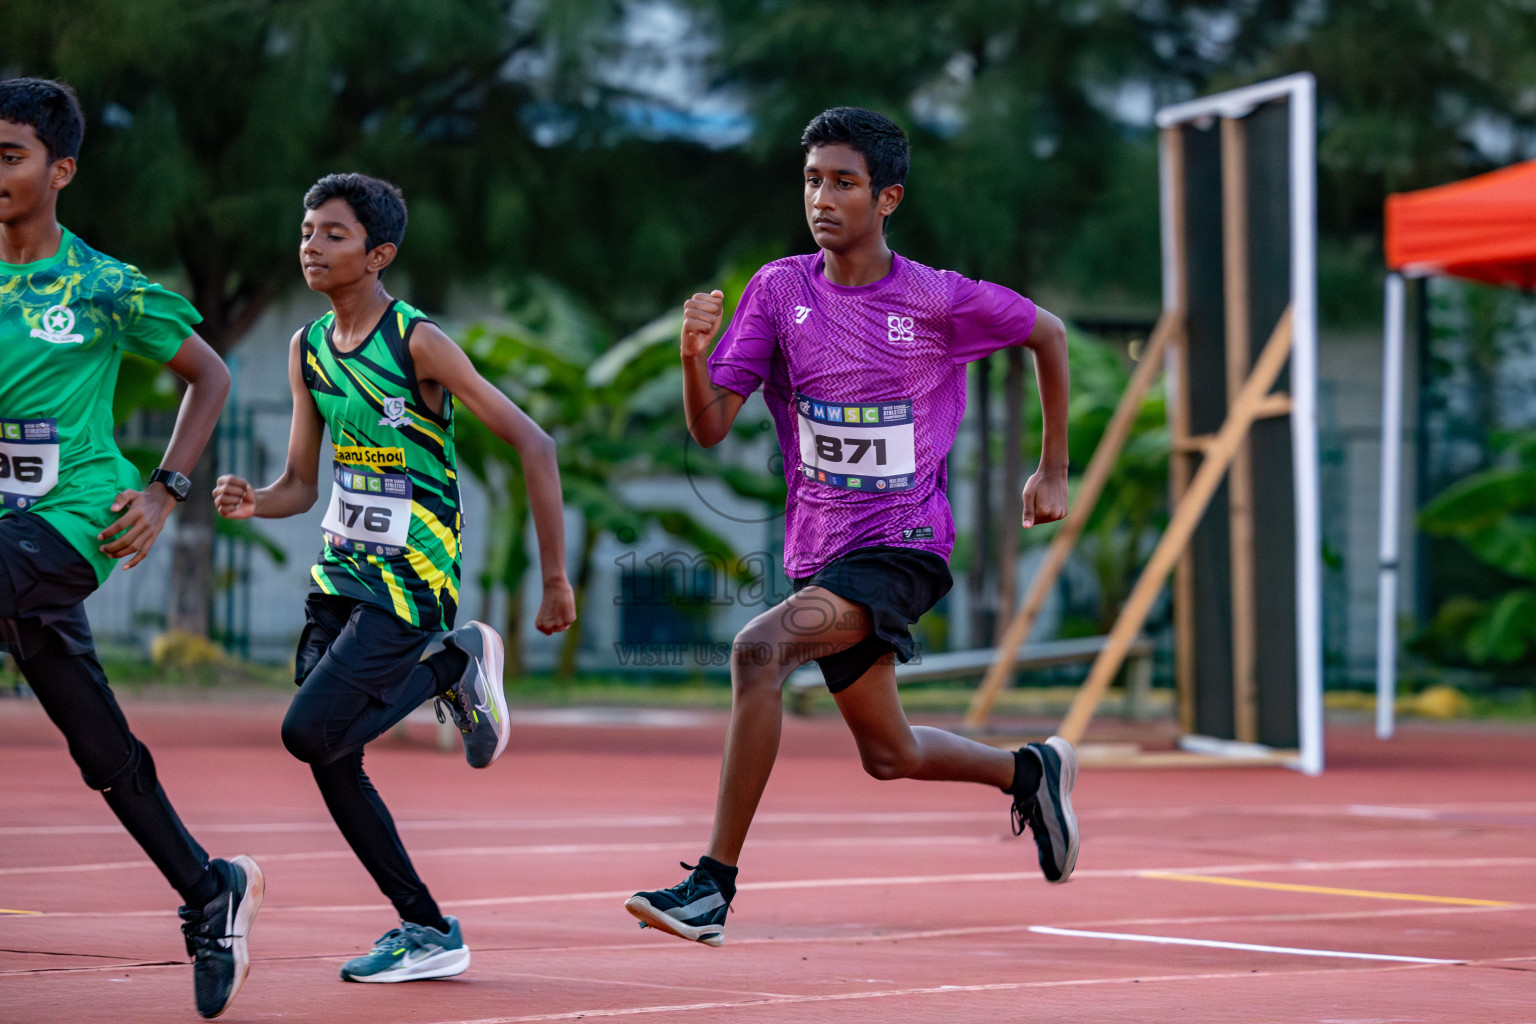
[{"x": 701, "y": 322}]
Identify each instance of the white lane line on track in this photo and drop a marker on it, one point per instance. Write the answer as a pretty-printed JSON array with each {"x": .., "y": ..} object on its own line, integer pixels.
[
  {"x": 633, "y": 983},
  {"x": 686, "y": 846},
  {"x": 601, "y": 849},
  {"x": 651, "y": 945},
  {"x": 1416, "y": 812},
  {"x": 940, "y": 990},
  {"x": 867, "y": 882},
  {"x": 531, "y": 824},
  {"x": 1328, "y": 915},
  {"x": 1168, "y": 940}
]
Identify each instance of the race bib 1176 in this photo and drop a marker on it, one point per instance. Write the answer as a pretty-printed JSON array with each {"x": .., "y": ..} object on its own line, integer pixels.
[
  {"x": 29, "y": 461},
  {"x": 370, "y": 513},
  {"x": 864, "y": 447}
]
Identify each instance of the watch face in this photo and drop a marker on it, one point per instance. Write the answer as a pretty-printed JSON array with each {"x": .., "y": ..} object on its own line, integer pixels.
[{"x": 176, "y": 483}]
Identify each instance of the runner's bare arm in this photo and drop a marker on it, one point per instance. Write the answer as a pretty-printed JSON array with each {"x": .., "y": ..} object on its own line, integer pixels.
[
  {"x": 438, "y": 359},
  {"x": 295, "y": 491},
  {"x": 1045, "y": 493},
  {"x": 145, "y": 511},
  {"x": 710, "y": 410}
]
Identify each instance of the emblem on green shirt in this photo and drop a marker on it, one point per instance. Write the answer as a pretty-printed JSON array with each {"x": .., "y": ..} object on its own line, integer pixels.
[
  {"x": 394, "y": 413},
  {"x": 58, "y": 325}
]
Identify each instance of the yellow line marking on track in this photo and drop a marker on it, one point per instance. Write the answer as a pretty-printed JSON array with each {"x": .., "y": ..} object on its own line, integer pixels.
[
  {"x": 1370, "y": 894},
  {"x": 27, "y": 913}
]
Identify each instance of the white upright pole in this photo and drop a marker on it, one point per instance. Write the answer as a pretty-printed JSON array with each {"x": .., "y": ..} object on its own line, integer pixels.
[
  {"x": 1309, "y": 541},
  {"x": 1391, "y": 497}
]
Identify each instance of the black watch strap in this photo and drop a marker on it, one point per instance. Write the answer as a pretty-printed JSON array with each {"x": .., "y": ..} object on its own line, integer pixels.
[{"x": 176, "y": 483}]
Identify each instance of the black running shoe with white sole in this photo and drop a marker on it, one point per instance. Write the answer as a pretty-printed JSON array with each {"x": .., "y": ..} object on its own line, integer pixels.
[
  {"x": 693, "y": 909},
  {"x": 216, "y": 937},
  {"x": 477, "y": 703},
  {"x": 1048, "y": 808}
]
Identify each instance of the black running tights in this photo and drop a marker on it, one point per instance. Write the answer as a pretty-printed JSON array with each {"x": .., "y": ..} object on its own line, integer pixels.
[
  {"x": 73, "y": 690},
  {"x": 327, "y": 726}
]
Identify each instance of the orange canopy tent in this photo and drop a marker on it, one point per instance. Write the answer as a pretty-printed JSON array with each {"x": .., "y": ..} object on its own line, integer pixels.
[{"x": 1483, "y": 228}]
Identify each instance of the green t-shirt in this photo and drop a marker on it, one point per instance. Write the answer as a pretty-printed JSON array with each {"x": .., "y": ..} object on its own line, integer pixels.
[{"x": 64, "y": 323}]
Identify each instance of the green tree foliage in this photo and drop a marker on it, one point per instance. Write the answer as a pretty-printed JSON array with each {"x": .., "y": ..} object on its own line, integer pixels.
[
  {"x": 1012, "y": 146},
  {"x": 208, "y": 122},
  {"x": 1493, "y": 514},
  {"x": 629, "y": 150},
  {"x": 1133, "y": 507},
  {"x": 1031, "y": 118},
  {"x": 611, "y": 406}
]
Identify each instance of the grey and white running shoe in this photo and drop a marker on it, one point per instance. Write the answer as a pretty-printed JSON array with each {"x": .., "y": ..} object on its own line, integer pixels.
[{"x": 477, "y": 703}]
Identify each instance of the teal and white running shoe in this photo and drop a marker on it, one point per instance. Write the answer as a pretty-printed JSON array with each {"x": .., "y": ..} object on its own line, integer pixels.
[{"x": 411, "y": 952}]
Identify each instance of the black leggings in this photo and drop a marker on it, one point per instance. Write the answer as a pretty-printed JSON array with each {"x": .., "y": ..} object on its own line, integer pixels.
[
  {"x": 358, "y": 676},
  {"x": 42, "y": 582}
]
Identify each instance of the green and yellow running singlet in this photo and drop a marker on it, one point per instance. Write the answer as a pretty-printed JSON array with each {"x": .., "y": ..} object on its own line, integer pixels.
[
  {"x": 65, "y": 322},
  {"x": 392, "y": 523}
]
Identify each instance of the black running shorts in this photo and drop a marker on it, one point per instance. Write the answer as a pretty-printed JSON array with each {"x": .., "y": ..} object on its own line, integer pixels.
[
  {"x": 43, "y": 581},
  {"x": 363, "y": 646},
  {"x": 897, "y": 585}
]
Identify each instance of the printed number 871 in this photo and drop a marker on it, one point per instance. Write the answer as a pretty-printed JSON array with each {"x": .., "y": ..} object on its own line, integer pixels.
[{"x": 830, "y": 449}]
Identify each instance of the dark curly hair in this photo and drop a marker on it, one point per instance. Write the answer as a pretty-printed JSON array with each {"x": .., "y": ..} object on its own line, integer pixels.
[
  {"x": 875, "y": 137},
  {"x": 378, "y": 206},
  {"x": 49, "y": 108}
]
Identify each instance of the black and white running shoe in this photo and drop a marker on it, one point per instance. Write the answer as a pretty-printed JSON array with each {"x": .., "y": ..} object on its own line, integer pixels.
[
  {"x": 693, "y": 909},
  {"x": 216, "y": 937},
  {"x": 477, "y": 703},
  {"x": 1048, "y": 810}
]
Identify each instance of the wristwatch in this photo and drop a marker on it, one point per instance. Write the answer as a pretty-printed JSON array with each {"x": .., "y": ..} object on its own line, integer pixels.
[{"x": 176, "y": 483}]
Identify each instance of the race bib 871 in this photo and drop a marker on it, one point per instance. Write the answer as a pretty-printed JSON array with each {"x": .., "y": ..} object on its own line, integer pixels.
[
  {"x": 29, "y": 461},
  {"x": 370, "y": 513},
  {"x": 863, "y": 447}
]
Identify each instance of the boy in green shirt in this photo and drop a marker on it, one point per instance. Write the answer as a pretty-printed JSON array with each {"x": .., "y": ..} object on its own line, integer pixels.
[
  {"x": 71, "y": 504},
  {"x": 383, "y": 380}
]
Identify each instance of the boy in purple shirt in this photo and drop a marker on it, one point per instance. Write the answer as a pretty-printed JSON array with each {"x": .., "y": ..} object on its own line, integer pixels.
[{"x": 862, "y": 355}]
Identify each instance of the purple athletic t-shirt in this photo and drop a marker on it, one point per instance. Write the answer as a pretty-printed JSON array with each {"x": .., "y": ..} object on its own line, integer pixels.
[{"x": 866, "y": 386}]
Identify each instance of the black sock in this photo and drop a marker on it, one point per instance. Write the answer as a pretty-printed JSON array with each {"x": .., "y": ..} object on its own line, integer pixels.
[
  {"x": 1027, "y": 772},
  {"x": 217, "y": 877},
  {"x": 723, "y": 874},
  {"x": 422, "y": 909},
  {"x": 447, "y": 667}
]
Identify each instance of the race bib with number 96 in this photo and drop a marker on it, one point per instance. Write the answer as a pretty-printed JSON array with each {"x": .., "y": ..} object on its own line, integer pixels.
[
  {"x": 29, "y": 461},
  {"x": 370, "y": 513},
  {"x": 858, "y": 447}
]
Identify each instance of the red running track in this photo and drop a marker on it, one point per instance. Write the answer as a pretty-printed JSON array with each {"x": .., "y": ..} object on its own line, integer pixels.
[{"x": 861, "y": 900}]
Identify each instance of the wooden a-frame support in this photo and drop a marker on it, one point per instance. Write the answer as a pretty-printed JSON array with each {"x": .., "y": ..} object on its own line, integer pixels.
[
  {"x": 1224, "y": 454},
  {"x": 1219, "y": 455},
  {"x": 1088, "y": 491},
  {"x": 1252, "y": 402}
]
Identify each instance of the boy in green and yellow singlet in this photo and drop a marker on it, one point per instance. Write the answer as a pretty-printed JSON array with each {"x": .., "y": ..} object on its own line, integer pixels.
[
  {"x": 71, "y": 504},
  {"x": 383, "y": 379}
]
